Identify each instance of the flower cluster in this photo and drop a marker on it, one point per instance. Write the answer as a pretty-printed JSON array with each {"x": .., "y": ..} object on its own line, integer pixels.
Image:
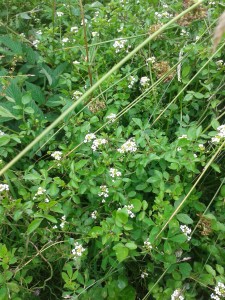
[
  {"x": 129, "y": 146},
  {"x": 219, "y": 290},
  {"x": 132, "y": 81},
  {"x": 89, "y": 137},
  {"x": 145, "y": 82},
  {"x": 164, "y": 14},
  {"x": 184, "y": 32},
  {"x": 186, "y": 230},
  {"x": 104, "y": 192},
  {"x": 57, "y": 155},
  {"x": 94, "y": 214},
  {"x": 129, "y": 208},
  {"x": 220, "y": 63},
  {"x": 94, "y": 33},
  {"x": 111, "y": 117},
  {"x": 40, "y": 191},
  {"x": 97, "y": 143},
  {"x": 119, "y": 45},
  {"x": 177, "y": 295},
  {"x": 201, "y": 147},
  {"x": 65, "y": 40},
  {"x": 74, "y": 29},
  {"x": 77, "y": 95},
  {"x": 2, "y": 133},
  {"x": 147, "y": 245},
  {"x": 184, "y": 136},
  {"x": 4, "y": 187},
  {"x": 59, "y": 13},
  {"x": 151, "y": 60},
  {"x": 144, "y": 275},
  {"x": 114, "y": 172},
  {"x": 63, "y": 221},
  {"x": 78, "y": 250},
  {"x": 35, "y": 43},
  {"x": 220, "y": 135}
]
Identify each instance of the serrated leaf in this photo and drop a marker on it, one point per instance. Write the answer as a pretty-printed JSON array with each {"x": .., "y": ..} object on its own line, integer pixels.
[{"x": 80, "y": 164}]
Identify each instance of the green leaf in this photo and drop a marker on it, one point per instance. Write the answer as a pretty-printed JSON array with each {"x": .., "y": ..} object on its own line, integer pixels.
[
  {"x": 6, "y": 113},
  {"x": 138, "y": 122},
  {"x": 96, "y": 231},
  {"x": 220, "y": 269},
  {"x": 184, "y": 218},
  {"x": 80, "y": 164},
  {"x": 180, "y": 238},
  {"x": 34, "y": 225},
  {"x": 137, "y": 205},
  {"x": 222, "y": 191},
  {"x": 122, "y": 216},
  {"x": 36, "y": 93},
  {"x": 121, "y": 252},
  {"x": 215, "y": 167},
  {"x": 131, "y": 245},
  {"x": 4, "y": 139},
  {"x": 210, "y": 270},
  {"x": 185, "y": 269}
]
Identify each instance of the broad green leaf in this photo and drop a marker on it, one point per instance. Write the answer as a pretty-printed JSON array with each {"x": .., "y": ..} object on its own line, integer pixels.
[
  {"x": 185, "y": 269},
  {"x": 184, "y": 218},
  {"x": 210, "y": 270},
  {"x": 222, "y": 191},
  {"x": 6, "y": 113},
  {"x": 4, "y": 139},
  {"x": 180, "y": 238},
  {"x": 131, "y": 245},
  {"x": 137, "y": 205},
  {"x": 122, "y": 216},
  {"x": 220, "y": 269},
  {"x": 121, "y": 253},
  {"x": 80, "y": 164},
  {"x": 34, "y": 225}
]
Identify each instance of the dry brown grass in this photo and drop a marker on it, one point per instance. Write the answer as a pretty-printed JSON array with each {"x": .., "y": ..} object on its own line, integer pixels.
[{"x": 219, "y": 31}]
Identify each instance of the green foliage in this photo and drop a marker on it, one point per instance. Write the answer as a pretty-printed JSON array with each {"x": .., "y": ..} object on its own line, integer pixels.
[{"x": 82, "y": 214}]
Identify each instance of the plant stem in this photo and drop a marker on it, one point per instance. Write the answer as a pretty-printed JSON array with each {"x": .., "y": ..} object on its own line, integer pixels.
[{"x": 86, "y": 46}]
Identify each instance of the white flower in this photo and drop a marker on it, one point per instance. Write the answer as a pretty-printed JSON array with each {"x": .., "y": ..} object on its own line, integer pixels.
[
  {"x": 94, "y": 214},
  {"x": 2, "y": 133},
  {"x": 75, "y": 62},
  {"x": 197, "y": 38},
  {"x": 57, "y": 155},
  {"x": 219, "y": 63},
  {"x": 114, "y": 172},
  {"x": 119, "y": 44},
  {"x": 40, "y": 191},
  {"x": 151, "y": 60},
  {"x": 74, "y": 29},
  {"x": 144, "y": 81},
  {"x": 35, "y": 43},
  {"x": 63, "y": 221},
  {"x": 132, "y": 81},
  {"x": 59, "y": 13},
  {"x": 77, "y": 95},
  {"x": 179, "y": 149},
  {"x": 129, "y": 208},
  {"x": 97, "y": 143},
  {"x": 85, "y": 21},
  {"x": 95, "y": 33},
  {"x": 78, "y": 250},
  {"x": 39, "y": 32},
  {"x": 221, "y": 130},
  {"x": 184, "y": 136},
  {"x": 195, "y": 155},
  {"x": 65, "y": 40},
  {"x": 129, "y": 146},
  {"x": 177, "y": 295},
  {"x": 215, "y": 139},
  {"x": 184, "y": 32},
  {"x": 144, "y": 275},
  {"x": 104, "y": 191},
  {"x": 186, "y": 230},
  {"x": 219, "y": 290},
  {"x": 147, "y": 245},
  {"x": 111, "y": 117},
  {"x": 89, "y": 137},
  {"x": 201, "y": 147},
  {"x": 46, "y": 200},
  {"x": 4, "y": 187}
]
